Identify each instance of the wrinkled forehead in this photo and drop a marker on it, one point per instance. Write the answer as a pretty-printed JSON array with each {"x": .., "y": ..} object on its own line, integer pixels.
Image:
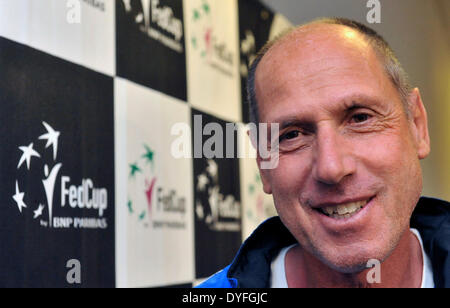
[
  {"x": 318, "y": 61},
  {"x": 315, "y": 43}
]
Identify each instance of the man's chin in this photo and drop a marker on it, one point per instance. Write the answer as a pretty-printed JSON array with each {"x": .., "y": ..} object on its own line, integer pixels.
[
  {"x": 353, "y": 262},
  {"x": 353, "y": 267}
]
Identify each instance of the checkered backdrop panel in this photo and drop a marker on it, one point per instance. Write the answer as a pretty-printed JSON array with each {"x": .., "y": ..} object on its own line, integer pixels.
[{"x": 91, "y": 92}]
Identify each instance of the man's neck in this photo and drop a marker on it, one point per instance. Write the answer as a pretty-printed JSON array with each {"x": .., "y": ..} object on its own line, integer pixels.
[{"x": 402, "y": 269}]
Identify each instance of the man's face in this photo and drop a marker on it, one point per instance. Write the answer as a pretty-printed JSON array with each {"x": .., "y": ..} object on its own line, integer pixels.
[{"x": 349, "y": 176}]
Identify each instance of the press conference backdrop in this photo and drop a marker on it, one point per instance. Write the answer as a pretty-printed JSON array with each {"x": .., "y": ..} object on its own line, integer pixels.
[
  {"x": 88, "y": 180},
  {"x": 88, "y": 102}
]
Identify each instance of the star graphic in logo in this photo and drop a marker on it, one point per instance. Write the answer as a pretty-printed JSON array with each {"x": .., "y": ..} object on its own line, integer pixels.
[
  {"x": 149, "y": 155},
  {"x": 134, "y": 169},
  {"x": 50, "y": 176},
  {"x": 130, "y": 206},
  {"x": 206, "y": 7},
  {"x": 212, "y": 168},
  {"x": 258, "y": 178},
  {"x": 196, "y": 14},
  {"x": 28, "y": 152},
  {"x": 52, "y": 138},
  {"x": 38, "y": 212},
  {"x": 18, "y": 197},
  {"x": 251, "y": 189},
  {"x": 199, "y": 210},
  {"x": 202, "y": 182}
]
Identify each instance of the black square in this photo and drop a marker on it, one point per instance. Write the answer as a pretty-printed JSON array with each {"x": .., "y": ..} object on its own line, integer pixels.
[
  {"x": 217, "y": 207},
  {"x": 150, "y": 45},
  {"x": 63, "y": 114}
]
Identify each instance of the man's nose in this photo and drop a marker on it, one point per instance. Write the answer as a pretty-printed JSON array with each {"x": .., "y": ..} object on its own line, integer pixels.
[{"x": 332, "y": 157}]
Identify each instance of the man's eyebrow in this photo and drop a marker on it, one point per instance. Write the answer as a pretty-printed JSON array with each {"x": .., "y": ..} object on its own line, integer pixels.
[
  {"x": 295, "y": 121},
  {"x": 355, "y": 101},
  {"x": 346, "y": 104}
]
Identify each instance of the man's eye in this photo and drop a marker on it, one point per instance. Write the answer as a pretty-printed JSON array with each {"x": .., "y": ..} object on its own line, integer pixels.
[
  {"x": 360, "y": 117},
  {"x": 290, "y": 135},
  {"x": 293, "y": 140}
]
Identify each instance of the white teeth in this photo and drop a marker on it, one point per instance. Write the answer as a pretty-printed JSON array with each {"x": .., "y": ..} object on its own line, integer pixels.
[{"x": 344, "y": 210}]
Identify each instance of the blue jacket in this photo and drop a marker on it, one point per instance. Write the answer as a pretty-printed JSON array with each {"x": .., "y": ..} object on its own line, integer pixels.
[{"x": 251, "y": 266}]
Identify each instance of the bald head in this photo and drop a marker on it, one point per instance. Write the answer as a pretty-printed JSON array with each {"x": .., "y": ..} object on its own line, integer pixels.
[{"x": 319, "y": 43}]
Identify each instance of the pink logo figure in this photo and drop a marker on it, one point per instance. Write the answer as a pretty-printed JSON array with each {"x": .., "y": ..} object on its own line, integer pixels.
[
  {"x": 149, "y": 194},
  {"x": 208, "y": 38}
]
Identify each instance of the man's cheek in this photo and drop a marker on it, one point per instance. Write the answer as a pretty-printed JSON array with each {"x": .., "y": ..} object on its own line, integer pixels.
[
  {"x": 285, "y": 183},
  {"x": 383, "y": 153},
  {"x": 284, "y": 188}
]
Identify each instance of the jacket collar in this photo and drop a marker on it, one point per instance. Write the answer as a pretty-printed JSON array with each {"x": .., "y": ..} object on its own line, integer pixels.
[{"x": 251, "y": 267}]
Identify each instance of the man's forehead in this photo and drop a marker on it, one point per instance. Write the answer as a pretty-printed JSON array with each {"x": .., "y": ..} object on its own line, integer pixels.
[
  {"x": 314, "y": 57},
  {"x": 316, "y": 64},
  {"x": 310, "y": 41}
]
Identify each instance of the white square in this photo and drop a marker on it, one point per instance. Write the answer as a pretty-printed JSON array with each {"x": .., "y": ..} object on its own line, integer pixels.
[
  {"x": 212, "y": 47},
  {"x": 154, "y": 190},
  {"x": 52, "y": 26}
]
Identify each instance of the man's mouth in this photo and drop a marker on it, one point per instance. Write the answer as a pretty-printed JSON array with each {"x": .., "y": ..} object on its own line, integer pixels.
[{"x": 343, "y": 211}]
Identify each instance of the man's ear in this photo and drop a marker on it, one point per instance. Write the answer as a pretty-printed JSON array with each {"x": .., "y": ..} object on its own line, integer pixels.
[
  {"x": 264, "y": 173},
  {"x": 419, "y": 124}
]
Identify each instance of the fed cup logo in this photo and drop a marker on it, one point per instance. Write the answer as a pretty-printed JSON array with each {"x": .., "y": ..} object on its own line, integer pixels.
[
  {"x": 157, "y": 21},
  {"x": 84, "y": 196},
  {"x": 155, "y": 204}
]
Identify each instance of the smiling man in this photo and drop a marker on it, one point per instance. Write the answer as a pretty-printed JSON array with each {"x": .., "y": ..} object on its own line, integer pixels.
[{"x": 348, "y": 182}]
